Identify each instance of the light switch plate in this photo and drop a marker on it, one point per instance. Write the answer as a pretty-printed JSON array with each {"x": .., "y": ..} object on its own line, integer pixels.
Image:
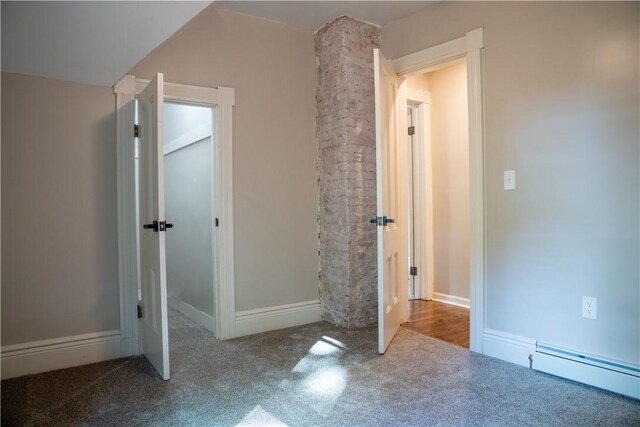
[{"x": 509, "y": 180}]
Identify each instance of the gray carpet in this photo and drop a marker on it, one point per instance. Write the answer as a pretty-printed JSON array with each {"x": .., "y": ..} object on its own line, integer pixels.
[{"x": 309, "y": 376}]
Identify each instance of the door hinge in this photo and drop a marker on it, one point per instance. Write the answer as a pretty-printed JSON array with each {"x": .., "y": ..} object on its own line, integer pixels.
[
  {"x": 140, "y": 314},
  {"x": 412, "y": 130},
  {"x": 217, "y": 222},
  {"x": 136, "y": 131},
  {"x": 413, "y": 271}
]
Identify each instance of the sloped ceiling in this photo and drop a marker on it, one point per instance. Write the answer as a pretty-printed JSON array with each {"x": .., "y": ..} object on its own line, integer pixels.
[
  {"x": 98, "y": 42},
  {"x": 87, "y": 42}
]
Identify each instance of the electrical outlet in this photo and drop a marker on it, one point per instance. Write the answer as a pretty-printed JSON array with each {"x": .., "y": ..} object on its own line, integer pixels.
[{"x": 589, "y": 307}]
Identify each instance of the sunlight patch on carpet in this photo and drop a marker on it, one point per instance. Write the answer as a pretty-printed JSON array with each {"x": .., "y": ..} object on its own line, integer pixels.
[
  {"x": 259, "y": 417},
  {"x": 318, "y": 380}
]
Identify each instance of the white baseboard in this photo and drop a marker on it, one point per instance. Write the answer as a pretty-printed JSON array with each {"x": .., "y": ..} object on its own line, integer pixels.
[
  {"x": 450, "y": 299},
  {"x": 615, "y": 376},
  {"x": 59, "y": 353},
  {"x": 193, "y": 313},
  {"x": 276, "y": 317},
  {"x": 509, "y": 347}
]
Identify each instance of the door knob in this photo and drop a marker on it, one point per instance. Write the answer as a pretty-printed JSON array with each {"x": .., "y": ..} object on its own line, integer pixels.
[
  {"x": 382, "y": 220},
  {"x": 164, "y": 225},
  {"x": 158, "y": 226},
  {"x": 153, "y": 226}
]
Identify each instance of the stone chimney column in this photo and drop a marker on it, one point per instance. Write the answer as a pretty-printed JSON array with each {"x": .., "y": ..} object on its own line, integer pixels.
[{"x": 347, "y": 171}]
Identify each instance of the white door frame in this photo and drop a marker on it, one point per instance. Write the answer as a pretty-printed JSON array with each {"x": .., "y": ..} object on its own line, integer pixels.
[
  {"x": 223, "y": 99},
  {"x": 422, "y": 200},
  {"x": 469, "y": 47}
]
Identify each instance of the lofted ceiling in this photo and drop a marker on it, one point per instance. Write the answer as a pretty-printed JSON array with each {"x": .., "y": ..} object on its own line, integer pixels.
[
  {"x": 87, "y": 42},
  {"x": 97, "y": 42}
]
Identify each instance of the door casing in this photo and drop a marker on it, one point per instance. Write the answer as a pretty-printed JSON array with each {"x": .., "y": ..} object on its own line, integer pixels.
[
  {"x": 421, "y": 207},
  {"x": 222, "y": 100},
  {"x": 469, "y": 47}
]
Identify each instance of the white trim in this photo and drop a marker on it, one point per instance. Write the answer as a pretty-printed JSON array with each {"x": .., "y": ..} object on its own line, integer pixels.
[
  {"x": 474, "y": 39},
  {"x": 413, "y": 204},
  {"x": 127, "y": 241},
  {"x": 477, "y": 258},
  {"x": 422, "y": 181},
  {"x": 508, "y": 347},
  {"x": 468, "y": 46},
  {"x": 60, "y": 353},
  {"x": 191, "y": 137},
  {"x": 416, "y": 96},
  {"x": 224, "y": 295},
  {"x": 193, "y": 94},
  {"x": 451, "y": 299},
  {"x": 620, "y": 380},
  {"x": 583, "y": 368},
  {"x": 426, "y": 270},
  {"x": 126, "y": 86},
  {"x": 423, "y": 60},
  {"x": 624, "y": 366},
  {"x": 223, "y": 99},
  {"x": 193, "y": 313},
  {"x": 277, "y": 317}
]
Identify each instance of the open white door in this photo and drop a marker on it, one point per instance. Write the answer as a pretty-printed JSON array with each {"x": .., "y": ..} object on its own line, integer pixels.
[
  {"x": 391, "y": 153},
  {"x": 154, "y": 324}
]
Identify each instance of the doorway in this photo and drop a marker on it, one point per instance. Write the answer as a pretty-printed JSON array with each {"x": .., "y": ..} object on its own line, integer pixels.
[
  {"x": 174, "y": 165},
  {"x": 142, "y": 229},
  {"x": 439, "y": 203},
  {"x": 392, "y": 167},
  {"x": 189, "y": 202}
]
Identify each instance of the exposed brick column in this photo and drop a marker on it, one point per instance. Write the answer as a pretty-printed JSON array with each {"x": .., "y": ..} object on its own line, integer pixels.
[{"x": 347, "y": 171}]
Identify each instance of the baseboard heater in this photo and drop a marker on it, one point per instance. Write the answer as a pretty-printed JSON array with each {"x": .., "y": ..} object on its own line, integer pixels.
[{"x": 616, "y": 376}]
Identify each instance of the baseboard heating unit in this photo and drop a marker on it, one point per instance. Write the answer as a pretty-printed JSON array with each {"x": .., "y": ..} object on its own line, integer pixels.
[{"x": 616, "y": 376}]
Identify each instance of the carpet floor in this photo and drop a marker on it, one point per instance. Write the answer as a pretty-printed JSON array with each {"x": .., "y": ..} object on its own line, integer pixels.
[{"x": 313, "y": 375}]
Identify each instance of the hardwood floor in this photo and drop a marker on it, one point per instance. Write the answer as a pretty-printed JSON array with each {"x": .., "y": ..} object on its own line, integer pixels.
[{"x": 443, "y": 321}]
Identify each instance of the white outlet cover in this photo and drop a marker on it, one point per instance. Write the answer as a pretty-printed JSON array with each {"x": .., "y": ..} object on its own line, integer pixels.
[
  {"x": 509, "y": 180},
  {"x": 589, "y": 307}
]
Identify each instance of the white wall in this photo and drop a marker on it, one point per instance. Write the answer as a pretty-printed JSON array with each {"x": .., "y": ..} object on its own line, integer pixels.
[
  {"x": 59, "y": 175},
  {"x": 188, "y": 204},
  {"x": 59, "y": 213},
  {"x": 450, "y": 172},
  {"x": 180, "y": 119},
  {"x": 272, "y": 68},
  {"x": 419, "y": 82},
  {"x": 561, "y": 108}
]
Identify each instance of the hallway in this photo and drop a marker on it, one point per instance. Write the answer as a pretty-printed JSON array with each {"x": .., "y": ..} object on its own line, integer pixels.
[{"x": 439, "y": 320}]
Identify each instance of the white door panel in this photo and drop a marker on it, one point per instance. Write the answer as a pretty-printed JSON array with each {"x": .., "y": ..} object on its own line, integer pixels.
[
  {"x": 154, "y": 324},
  {"x": 391, "y": 166}
]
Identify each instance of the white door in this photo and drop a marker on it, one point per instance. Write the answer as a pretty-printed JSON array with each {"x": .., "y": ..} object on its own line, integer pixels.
[
  {"x": 154, "y": 324},
  {"x": 391, "y": 162}
]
